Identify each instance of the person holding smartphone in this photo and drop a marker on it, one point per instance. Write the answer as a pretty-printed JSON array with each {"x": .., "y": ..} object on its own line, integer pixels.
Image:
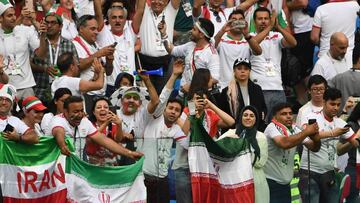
[
  {"x": 323, "y": 187},
  {"x": 13, "y": 128}
]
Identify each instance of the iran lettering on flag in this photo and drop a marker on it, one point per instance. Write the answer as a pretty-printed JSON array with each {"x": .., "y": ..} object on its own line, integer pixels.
[
  {"x": 39, "y": 173},
  {"x": 89, "y": 183},
  {"x": 221, "y": 171},
  {"x": 32, "y": 173}
]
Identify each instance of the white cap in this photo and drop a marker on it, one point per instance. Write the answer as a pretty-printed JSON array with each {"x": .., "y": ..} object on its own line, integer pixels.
[{"x": 4, "y": 5}]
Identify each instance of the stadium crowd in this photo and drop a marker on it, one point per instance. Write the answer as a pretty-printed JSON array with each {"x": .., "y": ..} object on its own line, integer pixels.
[{"x": 124, "y": 78}]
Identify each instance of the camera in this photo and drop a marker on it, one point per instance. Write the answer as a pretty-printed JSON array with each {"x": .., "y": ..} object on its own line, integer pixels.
[{"x": 238, "y": 24}]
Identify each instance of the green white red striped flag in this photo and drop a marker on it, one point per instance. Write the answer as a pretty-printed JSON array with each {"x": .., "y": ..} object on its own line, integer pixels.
[
  {"x": 38, "y": 173},
  {"x": 221, "y": 171}
]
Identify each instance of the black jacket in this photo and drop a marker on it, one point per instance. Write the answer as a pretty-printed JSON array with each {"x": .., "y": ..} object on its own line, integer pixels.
[{"x": 256, "y": 99}]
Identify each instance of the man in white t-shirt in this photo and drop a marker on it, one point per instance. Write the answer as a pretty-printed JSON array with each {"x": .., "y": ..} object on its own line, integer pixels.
[
  {"x": 233, "y": 41},
  {"x": 215, "y": 11},
  {"x": 334, "y": 61},
  {"x": 12, "y": 127},
  {"x": 199, "y": 53},
  {"x": 335, "y": 16},
  {"x": 266, "y": 68},
  {"x": 74, "y": 124},
  {"x": 283, "y": 137},
  {"x": 317, "y": 86},
  {"x": 68, "y": 65},
  {"x": 323, "y": 186},
  {"x": 87, "y": 50},
  {"x": 153, "y": 54},
  {"x": 159, "y": 132},
  {"x": 15, "y": 41},
  {"x": 122, "y": 32}
]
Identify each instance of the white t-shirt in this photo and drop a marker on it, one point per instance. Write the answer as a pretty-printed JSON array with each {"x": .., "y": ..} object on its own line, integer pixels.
[
  {"x": 150, "y": 37},
  {"x": 68, "y": 30},
  {"x": 206, "y": 58},
  {"x": 72, "y": 83},
  {"x": 280, "y": 164},
  {"x": 84, "y": 130},
  {"x": 301, "y": 21},
  {"x": 230, "y": 50},
  {"x": 324, "y": 160},
  {"x": 19, "y": 126},
  {"x": 84, "y": 7},
  {"x": 266, "y": 68},
  {"x": 45, "y": 122},
  {"x": 336, "y": 17},
  {"x": 328, "y": 67},
  {"x": 124, "y": 56},
  {"x": 304, "y": 112},
  {"x": 16, "y": 47},
  {"x": 88, "y": 74},
  {"x": 223, "y": 14}
]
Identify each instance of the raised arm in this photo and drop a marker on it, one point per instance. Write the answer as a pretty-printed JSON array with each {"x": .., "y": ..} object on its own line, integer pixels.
[
  {"x": 175, "y": 3},
  {"x": 197, "y": 7},
  {"x": 154, "y": 97},
  {"x": 164, "y": 37},
  {"x": 98, "y": 14},
  {"x": 246, "y": 5},
  {"x": 296, "y": 4},
  {"x": 97, "y": 82},
  {"x": 140, "y": 7}
]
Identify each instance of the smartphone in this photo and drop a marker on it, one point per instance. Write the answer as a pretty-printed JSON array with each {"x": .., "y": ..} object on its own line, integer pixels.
[
  {"x": 311, "y": 121},
  {"x": 163, "y": 19},
  {"x": 347, "y": 126},
  {"x": 191, "y": 106},
  {"x": 200, "y": 94},
  {"x": 113, "y": 109},
  {"x": 8, "y": 128},
  {"x": 114, "y": 45},
  {"x": 29, "y": 4}
]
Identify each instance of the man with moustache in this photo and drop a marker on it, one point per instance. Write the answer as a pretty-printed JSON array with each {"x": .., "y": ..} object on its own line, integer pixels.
[
  {"x": 88, "y": 50},
  {"x": 266, "y": 68},
  {"x": 74, "y": 124},
  {"x": 122, "y": 32},
  {"x": 44, "y": 69},
  {"x": 333, "y": 62}
]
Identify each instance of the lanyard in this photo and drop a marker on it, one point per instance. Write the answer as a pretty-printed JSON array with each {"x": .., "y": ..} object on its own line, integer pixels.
[
  {"x": 154, "y": 18},
  {"x": 53, "y": 60}
]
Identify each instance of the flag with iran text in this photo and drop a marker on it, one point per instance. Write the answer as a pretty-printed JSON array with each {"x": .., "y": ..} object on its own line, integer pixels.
[
  {"x": 221, "y": 171},
  {"x": 89, "y": 183},
  {"x": 32, "y": 173},
  {"x": 39, "y": 173}
]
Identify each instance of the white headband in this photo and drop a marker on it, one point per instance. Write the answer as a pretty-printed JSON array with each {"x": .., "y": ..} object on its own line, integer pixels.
[{"x": 197, "y": 24}]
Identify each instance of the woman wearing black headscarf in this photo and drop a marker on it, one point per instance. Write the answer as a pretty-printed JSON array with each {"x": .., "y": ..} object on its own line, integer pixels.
[{"x": 248, "y": 127}]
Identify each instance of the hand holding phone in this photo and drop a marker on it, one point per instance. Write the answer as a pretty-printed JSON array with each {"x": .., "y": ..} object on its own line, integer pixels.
[
  {"x": 114, "y": 45},
  {"x": 8, "y": 128}
]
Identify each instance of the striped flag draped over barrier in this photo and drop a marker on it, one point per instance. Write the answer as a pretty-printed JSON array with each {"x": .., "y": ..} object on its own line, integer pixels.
[
  {"x": 220, "y": 170},
  {"x": 38, "y": 173}
]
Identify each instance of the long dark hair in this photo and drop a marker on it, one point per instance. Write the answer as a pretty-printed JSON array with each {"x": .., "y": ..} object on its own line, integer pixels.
[
  {"x": 199, "y": 82},
  {"x": 355, "y": 114},
  {"x": 250, "y": 133},
  {"x": 73, "y": 13},
  {"x": 57, "y": 95},
  {"x": 92, "y": 117}
]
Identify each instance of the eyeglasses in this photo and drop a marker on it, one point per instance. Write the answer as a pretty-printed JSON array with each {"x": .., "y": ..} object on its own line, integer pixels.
[
  {"x": 319, "y": 89},
  {"x": 121, "y": 7},
  {"x": 2, "y": 99},
  {"x": 217, "y": 16}
]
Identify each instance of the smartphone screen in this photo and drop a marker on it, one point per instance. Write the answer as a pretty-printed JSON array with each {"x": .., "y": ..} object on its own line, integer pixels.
[
  {"x": 191, "y": 106},
  {"x": 311, "y": 121}
]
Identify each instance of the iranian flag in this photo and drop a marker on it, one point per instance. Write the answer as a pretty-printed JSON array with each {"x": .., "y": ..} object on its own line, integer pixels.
[
  {"x": 220, "y": 170},
  {"x": 32, "y": 173},
  {"x": 89, "y": 183},
  {"x": 39, "y": 173}
]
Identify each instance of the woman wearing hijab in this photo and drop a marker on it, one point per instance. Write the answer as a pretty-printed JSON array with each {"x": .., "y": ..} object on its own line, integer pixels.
[{"x": 248, "y": 127}]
